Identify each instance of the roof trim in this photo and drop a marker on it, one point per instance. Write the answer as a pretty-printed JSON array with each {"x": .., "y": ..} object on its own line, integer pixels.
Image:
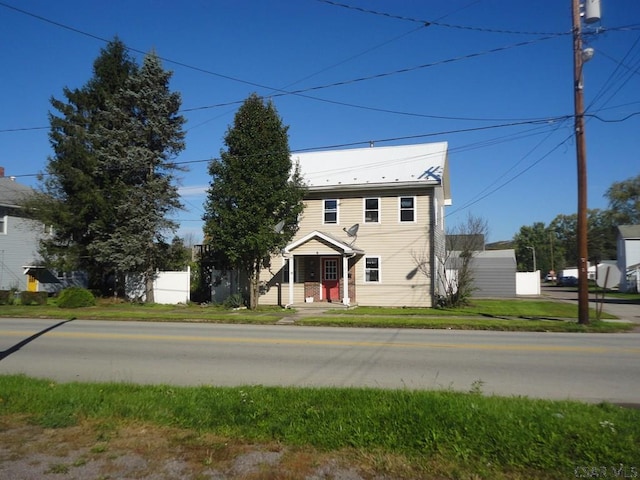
[{"x": 629, "y": 232}]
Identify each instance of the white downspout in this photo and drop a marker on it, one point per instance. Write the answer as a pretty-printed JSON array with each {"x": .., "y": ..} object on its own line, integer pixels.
[
  {"x": 345, "y": 279},
  {"x": 290, "y": 261}
]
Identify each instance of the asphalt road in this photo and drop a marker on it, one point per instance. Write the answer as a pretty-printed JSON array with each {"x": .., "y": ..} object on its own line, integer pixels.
[{"x": 587, "y": 367}]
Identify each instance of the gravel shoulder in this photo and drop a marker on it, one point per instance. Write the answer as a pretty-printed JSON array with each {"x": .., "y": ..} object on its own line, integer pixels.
[{"x": 100, "y": 452}]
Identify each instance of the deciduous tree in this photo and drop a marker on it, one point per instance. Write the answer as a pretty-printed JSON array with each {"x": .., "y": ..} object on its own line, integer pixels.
[
  {"x": 456, "y": 281},
  {"x": 624, "y": 201}
]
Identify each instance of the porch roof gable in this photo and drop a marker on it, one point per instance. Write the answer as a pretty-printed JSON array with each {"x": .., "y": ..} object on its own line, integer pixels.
[{"x": 339, "y": 245}]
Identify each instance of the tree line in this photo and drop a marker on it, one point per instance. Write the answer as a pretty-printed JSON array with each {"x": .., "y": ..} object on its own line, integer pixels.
[{"x": 555, "y": 244}]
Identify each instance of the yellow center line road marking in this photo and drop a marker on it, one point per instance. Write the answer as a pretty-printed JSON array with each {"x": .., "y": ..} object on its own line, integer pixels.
[{"x": 338, "y": 343}]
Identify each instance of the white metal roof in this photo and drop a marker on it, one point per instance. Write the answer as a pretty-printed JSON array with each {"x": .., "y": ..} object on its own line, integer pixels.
[{"x": 426, "y": 162}]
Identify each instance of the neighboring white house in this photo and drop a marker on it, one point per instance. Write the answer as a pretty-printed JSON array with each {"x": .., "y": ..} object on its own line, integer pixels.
[
  {"x": 372, "y": 230},
  {"x": 628, "y": 245}
]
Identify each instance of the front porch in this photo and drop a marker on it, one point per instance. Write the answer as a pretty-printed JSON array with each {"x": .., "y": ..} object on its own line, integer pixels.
[{"x": 320, "y": 271}]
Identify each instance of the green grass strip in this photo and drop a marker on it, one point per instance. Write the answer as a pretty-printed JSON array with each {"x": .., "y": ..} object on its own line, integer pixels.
[
  {"x": 472, "y": 429},
  {"x": 464, "y": 323}
]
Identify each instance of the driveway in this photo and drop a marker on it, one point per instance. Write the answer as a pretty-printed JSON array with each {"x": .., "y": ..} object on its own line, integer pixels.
[{"x": 622, "y": 308}]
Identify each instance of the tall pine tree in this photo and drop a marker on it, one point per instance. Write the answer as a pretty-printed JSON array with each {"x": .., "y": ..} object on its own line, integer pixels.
[
  {"x": 72, "y": 196},
  {"x": 140, "y": 133},
  {"x": 254, "y": 187},
  {"x": 111, "y": 181}
]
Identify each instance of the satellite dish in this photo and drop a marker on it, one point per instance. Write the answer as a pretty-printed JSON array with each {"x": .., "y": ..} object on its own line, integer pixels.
[
  {"x": 352, "y": 231},
  {"x": 279, "y": 226}
]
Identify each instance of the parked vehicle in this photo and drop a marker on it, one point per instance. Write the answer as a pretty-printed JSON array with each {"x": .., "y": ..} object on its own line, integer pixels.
[{"x": 567, "y": 281}]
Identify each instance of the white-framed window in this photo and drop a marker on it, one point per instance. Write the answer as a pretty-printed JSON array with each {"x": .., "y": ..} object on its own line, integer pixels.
[
  {"x": 407, "y": 207},
  {"x": 4, "y": 220},
  {"x": 330, "y": 211},
  {"x": 371, "y": 210},
  {"x": 372, "y": 269}
]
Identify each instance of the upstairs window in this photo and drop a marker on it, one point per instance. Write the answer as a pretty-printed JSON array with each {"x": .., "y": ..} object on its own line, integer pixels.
[
  {"x": 372, "y": 210},
  {"x": 330, "y": 211},
  {"x": 407, "y": 209},
  {"x": 3, "y": 224}
]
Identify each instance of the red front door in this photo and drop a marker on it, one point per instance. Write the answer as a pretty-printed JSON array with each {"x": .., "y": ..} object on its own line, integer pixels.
[{"x": 330, "y": 282}]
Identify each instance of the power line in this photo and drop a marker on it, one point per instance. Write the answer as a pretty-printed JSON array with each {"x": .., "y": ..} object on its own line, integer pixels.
[
  {"x": 299, "y": 92},
  {"x": 546, "y": 121},
  {"x": 435, "y": 22},
  {"x": 504, "y": 184}
]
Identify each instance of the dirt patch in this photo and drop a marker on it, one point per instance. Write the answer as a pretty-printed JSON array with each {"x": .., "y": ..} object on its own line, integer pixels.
[{"x": 108, "y": 451}]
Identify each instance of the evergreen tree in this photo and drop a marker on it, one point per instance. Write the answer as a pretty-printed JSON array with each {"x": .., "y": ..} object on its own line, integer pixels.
[
  {"x": 111, "y": 184},
  {"x": 71, "y": 197},
  {"x": 140, "y": 134},
  {"x": 254, "y": 188}
]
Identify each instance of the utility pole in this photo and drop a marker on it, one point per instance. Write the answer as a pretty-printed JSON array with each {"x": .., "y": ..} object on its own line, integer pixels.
[{"x": 581, "y": 151}]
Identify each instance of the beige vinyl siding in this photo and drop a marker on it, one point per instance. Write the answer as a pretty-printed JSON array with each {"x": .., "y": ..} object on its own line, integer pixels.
[
  {"x": 397, "y": 245},
  {"x": 273, "y": 280}
]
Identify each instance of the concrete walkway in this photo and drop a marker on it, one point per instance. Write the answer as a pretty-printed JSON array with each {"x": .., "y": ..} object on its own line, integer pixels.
[{"x": 309, "y": 310}]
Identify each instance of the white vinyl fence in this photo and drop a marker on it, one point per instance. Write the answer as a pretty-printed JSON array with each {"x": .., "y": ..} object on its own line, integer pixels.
[
  {"x": 528, "y": 283},
  {"x": 168, "y": 287}
]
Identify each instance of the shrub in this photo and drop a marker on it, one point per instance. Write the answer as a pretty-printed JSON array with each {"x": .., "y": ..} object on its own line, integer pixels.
[
  {"x": 234, "y": 301},
  {"x": 29, "y": 298},
  {"x": 6, "y": 297},
  {"x": 76, "y": 297}
]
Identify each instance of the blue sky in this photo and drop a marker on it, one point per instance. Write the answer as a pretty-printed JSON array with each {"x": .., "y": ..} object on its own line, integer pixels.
[{"x": 490, "y": 77}]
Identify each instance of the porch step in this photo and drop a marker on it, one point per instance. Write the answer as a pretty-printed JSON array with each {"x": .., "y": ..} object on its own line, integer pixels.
[{"x": 321, "y": 305}]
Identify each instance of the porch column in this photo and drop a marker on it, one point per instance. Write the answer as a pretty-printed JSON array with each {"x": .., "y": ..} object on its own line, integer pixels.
[
  {"x": 290, "y": 263},
  {"x": 345, "y": 280}
]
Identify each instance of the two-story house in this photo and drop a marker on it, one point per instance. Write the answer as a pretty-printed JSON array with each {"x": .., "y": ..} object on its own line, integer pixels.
[
  {"x": 19, "y": 236},
  {"x": 372, "y": 232},
  {"x": 20, "y": 263}
]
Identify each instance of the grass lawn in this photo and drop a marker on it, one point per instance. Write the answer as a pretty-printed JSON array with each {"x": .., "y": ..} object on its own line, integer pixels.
[
  {"x": 390, "y": 433},
  {"x": 505, "y": 314}
]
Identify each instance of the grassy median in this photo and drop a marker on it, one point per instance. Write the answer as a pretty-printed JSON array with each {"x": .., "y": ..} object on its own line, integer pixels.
[
  {"x": 506, "y": 314},
  {"x": 397, "y": 433}
]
